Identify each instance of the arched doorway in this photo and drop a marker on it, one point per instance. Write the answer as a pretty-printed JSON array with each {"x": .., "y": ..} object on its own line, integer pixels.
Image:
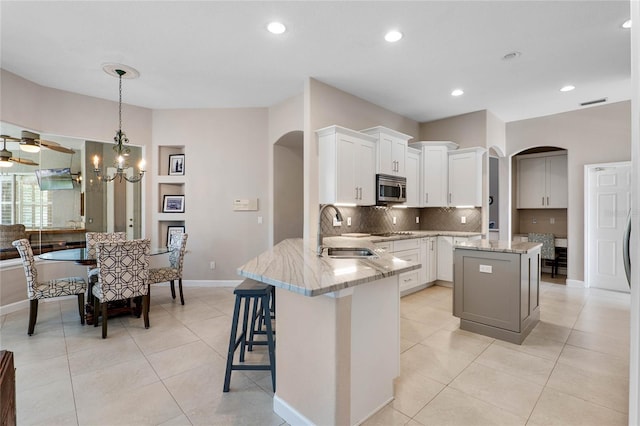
[
  {"x": 540, "y": 200},
  {"x": 288, "y": 189}
]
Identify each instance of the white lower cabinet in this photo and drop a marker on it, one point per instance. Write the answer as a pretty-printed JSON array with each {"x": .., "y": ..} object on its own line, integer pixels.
[
  {"x": 445, "y": 255},
  {"x": 445, "y": 259}
]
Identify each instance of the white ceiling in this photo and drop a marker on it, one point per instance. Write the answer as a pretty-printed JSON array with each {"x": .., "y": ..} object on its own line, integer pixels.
[{"x": 211, "y": 54}]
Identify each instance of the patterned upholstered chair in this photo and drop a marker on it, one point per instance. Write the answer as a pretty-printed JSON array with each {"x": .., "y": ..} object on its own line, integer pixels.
[
  {"x": 174, "y": 270},
  {"x": 548, "y": 250},
  {"x": 44, "y": 290},
  {"x": 94, "y": 238},
  {"x": 123, "y": 273}
]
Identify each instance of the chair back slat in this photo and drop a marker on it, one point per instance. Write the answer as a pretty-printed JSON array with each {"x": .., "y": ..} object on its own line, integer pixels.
[
  {"x": 29, "y": 264},
  {"x": 124, "y": 269}
]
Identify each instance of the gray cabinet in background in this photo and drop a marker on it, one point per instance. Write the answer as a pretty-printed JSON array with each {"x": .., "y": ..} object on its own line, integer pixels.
[{"x": 496, "y": 289}]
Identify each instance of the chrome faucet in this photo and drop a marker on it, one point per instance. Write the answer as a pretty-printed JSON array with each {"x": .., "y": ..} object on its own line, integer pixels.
[{"x": 338, "y": 216}]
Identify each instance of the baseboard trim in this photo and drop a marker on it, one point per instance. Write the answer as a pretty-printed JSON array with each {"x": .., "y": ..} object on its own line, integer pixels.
[
  {"x": 288, "y": 413},
  {"x": 576, "y": 283}
]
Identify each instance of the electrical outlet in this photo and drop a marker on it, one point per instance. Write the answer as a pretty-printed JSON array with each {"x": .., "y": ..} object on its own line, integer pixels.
[
  {"x": 212, "y": 265},
  {"x": 336, "y": 222},
  {"x": 463, "y": 219},
  {"x": 349, "y": 221},
  {"x": 534, "y": 220},
  {"x": 394, "y": 220},
  {"x": 417, "y": 219},
  {"x": 552, "y": 220}
]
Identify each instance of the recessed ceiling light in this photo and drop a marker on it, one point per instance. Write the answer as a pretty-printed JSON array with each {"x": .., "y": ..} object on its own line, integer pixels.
[
  {"x": 567, "y": 88},
  {"x": 276, "y": 28},
  {"x": 511, "y": 55},
  {"x": 457, "y": 92},
  {"x": 627, "y": 24},
  {"x": 393, "y": 36}
]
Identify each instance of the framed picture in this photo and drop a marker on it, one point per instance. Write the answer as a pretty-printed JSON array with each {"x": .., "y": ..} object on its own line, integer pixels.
[
  {"x": 173, "y": 234},
  {"x": 173, "y": 204},
  {"x": 176, "y": 164}
]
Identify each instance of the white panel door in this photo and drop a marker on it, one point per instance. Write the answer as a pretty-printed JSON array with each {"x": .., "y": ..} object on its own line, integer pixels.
[
  {"x": 365, "y": 164},
  {"x": 556, "y": 182},
  {"x": 347, "y": 191},
  {"x": 531, "y": 183},
  {"x": 435, "y": 175},
  {"x": 608, "y": 203}
]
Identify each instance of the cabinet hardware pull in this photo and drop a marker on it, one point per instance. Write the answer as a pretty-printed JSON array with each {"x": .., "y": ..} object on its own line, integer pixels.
[
  {"x": 547, "y": 201},
  {"x": 543, "y": 201},
  {"x": 356, "y": 192},
  {"x": 427, "y": 197},
  {"x": 360, "y": 193},
  {"x": 449, "y": 198}
]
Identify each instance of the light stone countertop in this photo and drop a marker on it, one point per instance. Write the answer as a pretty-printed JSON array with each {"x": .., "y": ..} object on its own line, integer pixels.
[
  {"x": 499, "y": 246},
  {"x": 294, "y": 265}
]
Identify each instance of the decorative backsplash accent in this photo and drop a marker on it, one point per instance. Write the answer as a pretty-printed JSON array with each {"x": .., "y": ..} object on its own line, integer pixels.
[{"x": 379, "y": 219}]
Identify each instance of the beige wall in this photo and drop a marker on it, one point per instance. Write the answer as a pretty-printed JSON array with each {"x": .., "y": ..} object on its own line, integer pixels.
[
  {"x": 467, "y": 130},
  {"x": 225, "y": 158},
  {"x": 592, "y": 135}
]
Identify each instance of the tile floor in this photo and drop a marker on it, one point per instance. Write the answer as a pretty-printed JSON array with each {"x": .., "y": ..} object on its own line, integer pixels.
[{"x": 572, "y": 369}]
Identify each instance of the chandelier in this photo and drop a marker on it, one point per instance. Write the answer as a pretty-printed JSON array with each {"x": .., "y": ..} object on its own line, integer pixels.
[{"x": 121, "y": 151}]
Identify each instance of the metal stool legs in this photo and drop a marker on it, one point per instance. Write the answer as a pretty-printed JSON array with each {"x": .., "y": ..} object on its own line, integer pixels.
[{"x": 259, "y": 294}]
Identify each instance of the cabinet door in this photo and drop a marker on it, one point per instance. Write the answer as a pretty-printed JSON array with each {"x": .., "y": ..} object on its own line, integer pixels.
[
  {"x": 347, "y": 180},
  {"x": 399, "y": 156},
  {"x": 385, "y": 155},
  {"x": 413, "y": 179},
  {"x": 556, "y": 182},
  {"x": 464, "y": 177},
  {"x": 445, "y": 259},
  {"x": 531, "y": 183},
  {"x": 434, "y": 176},
  {"x": 365, "y": 164},
  {"x": 433, "y": 260}
]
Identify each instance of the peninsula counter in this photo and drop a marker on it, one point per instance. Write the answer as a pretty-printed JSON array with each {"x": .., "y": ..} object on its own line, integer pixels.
[{"x": 338, "y": 330}]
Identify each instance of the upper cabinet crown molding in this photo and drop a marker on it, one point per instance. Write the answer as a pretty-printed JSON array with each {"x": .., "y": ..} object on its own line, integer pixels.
[
  {"x": 448, "y": 144},
  {"x": 332, "y": 130}
]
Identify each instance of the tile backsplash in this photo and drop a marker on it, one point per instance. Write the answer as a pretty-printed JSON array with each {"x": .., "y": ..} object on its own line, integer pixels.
[{"x": 377, "y": 219}]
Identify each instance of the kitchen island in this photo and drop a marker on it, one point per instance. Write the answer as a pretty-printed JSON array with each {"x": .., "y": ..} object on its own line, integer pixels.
[
  {"x": 338, "y": 330},
  {"x": 496, "y": 288}
]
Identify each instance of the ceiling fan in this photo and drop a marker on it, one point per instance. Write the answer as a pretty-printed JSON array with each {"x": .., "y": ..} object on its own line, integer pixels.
[
  {"x": 6, "y": 157},
  {"x": 31, "y": 142}
]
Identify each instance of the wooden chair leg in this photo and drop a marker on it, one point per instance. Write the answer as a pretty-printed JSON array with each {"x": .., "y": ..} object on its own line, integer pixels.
[
  {"x": 96, "y": 311},
  {"x": 173, "y": 289},
  {"x": 33, "y": 315},
  {"x": 180, "y": 288},
  {"x": 104, "y": 320},
  {"x": 81, "y": 307},
  {"x": 145, "y": 309}
]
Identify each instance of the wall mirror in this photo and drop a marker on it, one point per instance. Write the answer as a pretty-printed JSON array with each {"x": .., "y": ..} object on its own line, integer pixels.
[{"x": 57, "y": 197}]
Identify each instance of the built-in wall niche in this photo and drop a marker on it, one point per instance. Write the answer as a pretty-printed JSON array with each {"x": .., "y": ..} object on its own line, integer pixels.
[
  {"x": 166, "y": 153},
  {"x": 163, "y": 227}
]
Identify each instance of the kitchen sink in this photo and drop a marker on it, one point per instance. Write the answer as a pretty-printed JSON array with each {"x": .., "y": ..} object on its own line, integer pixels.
[{"x": 351, "y": 252}]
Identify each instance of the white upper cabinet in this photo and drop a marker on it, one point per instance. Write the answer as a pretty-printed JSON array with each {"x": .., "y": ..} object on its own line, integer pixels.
[
  {"x": 392, "y": 150},
  {"x": 434, "y": 172},
  {"x": 413, "y": 177},
  {"x": 465, "y": 177},
  {"x": 542, "y": 181},
  {"x": 347, "y": 166}
]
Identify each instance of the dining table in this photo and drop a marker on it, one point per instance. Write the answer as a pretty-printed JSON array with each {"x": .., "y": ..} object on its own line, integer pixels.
[{"x": 82, "y": 256}]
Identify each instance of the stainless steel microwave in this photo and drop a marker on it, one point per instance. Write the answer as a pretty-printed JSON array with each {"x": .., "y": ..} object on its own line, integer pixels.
[{"x": 390, "y": 189}]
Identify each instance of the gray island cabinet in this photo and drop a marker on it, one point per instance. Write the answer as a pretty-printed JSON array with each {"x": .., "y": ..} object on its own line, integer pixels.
[{"x": 496, "y": 288}]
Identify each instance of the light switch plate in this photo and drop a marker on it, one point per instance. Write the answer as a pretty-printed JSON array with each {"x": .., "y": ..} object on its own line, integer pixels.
[{"x": 463, "y": 219}]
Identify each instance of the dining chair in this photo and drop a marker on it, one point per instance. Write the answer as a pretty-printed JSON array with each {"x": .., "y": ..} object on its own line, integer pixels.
[
  {"x": 548, "y": 250},
  {"x": 93, "y": 238},
  {"x": 123, "y": 273},
  {"x": 46, "y": 289},
  {"x": 172, "y": 272}
]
